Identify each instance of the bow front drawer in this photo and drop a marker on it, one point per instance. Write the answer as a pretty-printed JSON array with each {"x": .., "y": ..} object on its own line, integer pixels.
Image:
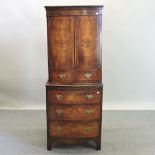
[
  {"x": 73, "y": 130},
  {"x": 74, "y": 112},
  {"x": 74, "y": 97}
]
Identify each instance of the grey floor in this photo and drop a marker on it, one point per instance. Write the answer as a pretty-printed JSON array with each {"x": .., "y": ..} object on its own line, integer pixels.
[{"x": 124, "y": 133}]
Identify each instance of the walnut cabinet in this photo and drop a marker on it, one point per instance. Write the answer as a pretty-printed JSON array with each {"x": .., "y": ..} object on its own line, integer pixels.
[{"x": 74, "y": 87}]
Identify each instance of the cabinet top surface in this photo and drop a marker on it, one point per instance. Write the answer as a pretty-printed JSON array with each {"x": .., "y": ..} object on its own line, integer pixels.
[{"x": 75, "y": 6}]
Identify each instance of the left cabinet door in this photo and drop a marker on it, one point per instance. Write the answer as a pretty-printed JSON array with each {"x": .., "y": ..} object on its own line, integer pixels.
[{"x": 61, "y": 49}]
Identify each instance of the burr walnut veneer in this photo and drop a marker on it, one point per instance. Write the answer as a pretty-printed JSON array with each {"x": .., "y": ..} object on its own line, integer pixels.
[{"x": 74, "y": 88}]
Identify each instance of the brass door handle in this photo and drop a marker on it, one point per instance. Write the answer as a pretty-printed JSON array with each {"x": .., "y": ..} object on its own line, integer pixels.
[
  {"x": 89, "y": 96},
  {"x": 59, "y": 129},
  {"x": 88, "y": 129},
  {"x": 62, "y": 76},
  {"x": 59, "y": 97},
  {"x": 88, "y": 75},
  {"x": 89, "y": 111}
]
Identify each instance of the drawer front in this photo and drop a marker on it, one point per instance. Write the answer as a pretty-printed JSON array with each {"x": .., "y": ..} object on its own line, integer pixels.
[
  {"x": 74, "y": 112},
  {"x": 62, "y": 77},
  {"x": 74, "y": 97},
  {"x": 87, "y": 76},
  {"x": 73, "y": 130}
]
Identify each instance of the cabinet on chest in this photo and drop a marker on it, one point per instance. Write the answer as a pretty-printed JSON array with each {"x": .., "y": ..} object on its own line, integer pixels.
[{"x": 74, "y": 88}]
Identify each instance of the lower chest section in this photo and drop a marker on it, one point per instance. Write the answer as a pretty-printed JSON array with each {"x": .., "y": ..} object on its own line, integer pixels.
[{"x": 74, "y": 112}]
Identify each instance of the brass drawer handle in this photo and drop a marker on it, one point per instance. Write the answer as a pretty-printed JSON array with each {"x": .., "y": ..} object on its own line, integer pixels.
[
  {"x": 59, "y": 97},
  {"x": 89, "y": 111},
  {"x": 59, "y": 111},
  {"x": 89, "y": 96},
  {"x": 88, "y": 129},
  {"x": 59, "y": 129},
  {"x": 88, "y": 75},
  {"x": 62, "y": 76}
]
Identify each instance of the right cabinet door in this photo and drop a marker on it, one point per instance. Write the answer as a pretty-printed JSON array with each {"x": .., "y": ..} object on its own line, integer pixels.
[{"x": 88, "y": 48}]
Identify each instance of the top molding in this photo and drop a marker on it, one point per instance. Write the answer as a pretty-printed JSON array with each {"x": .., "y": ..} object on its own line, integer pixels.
[{"x": 74, "y": 10}]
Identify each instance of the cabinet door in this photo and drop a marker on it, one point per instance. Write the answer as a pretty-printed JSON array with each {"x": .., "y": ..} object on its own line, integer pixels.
[
  {"x": 61, "y": 42},
  {"x": 88, "y": 42},
  {"x": 88, "y": 49}
]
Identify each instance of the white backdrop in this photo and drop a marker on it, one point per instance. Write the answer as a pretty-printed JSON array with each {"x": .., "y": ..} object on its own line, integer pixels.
[{"x": 128, "y": 53}]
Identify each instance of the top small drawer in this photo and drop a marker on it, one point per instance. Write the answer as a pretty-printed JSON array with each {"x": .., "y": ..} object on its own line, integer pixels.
[
  {"x": 62, "y": 77},
  {"x": 74, "y": 97},
  {"x": 88, "y": 75}
]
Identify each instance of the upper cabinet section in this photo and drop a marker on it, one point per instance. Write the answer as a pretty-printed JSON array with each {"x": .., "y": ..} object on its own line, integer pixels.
[{"x": 74, "y": 44}]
